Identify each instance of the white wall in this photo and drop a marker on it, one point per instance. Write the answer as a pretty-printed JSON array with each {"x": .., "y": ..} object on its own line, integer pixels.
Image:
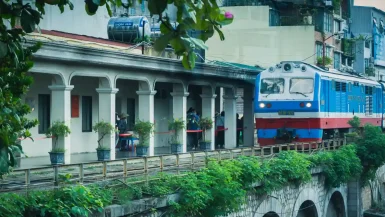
[
  {"x": 84, "y": 141},
  {"x": 40, "y": 146},
  {"x": 76, "y": 21},
  {"x": 257, "y": 43}
]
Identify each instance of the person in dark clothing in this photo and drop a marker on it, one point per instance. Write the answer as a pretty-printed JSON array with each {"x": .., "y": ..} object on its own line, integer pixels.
[
  {"x": 192, "y": 124},
  {"x": 122, "y": 128},
  {"x": 221, "y": 132},
  {"x": 239, "y": 129}
]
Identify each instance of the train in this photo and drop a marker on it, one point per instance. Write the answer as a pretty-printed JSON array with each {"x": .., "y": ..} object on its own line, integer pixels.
[{"x": 299, "y": 102}]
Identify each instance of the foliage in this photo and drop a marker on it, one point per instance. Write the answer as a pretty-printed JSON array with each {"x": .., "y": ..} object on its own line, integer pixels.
[
  {"x": 145, "y": 39},
  {"x": 103, "y": 128},
  {"x": 338, "y": 166},
  {"x": 176, "y": 125},
  {"x": 328, "y": 60},
  {"x": 287, "y": 167},
  {"x": 355, "y": 122},
  {"x": 18, "y": 18},
  {"x": 68, "y": 201},
  {"x": 371, "y": 151},
  {"x": 205, "y": 124},
  {"x": 144, "y": 129},
  {"x": 370, "y": 71},
  {"x": 56, "y": 130}
]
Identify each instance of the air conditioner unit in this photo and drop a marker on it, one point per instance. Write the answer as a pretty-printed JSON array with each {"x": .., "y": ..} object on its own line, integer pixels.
[
  {"x": 329, "y": 3},
  {"x": 371, "y": 60}
]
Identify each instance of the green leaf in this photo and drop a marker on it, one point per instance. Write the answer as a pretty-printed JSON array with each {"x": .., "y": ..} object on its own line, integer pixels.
[
  {"x": 162, "y": 42},
  {"x": 221, "y": 35},
  {"x": 199, "y": 43},
  {"x": 185, "y": 62},
  {"x": 97, "y": 2},
  {"x": 109, "y": 10},
  {"x": 3, "y": 49},
  {"x": 27, "y": 21},
  {"x": 157, "y": 6},
  {"x": 191, "y": 59},
  {"x": 90, "y": 7}
]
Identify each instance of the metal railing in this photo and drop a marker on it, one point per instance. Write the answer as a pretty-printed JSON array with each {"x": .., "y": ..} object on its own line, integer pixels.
[{"x": 138, "y": 169}]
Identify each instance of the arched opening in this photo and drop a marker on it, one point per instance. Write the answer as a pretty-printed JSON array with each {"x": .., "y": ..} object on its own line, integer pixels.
[
  {"x": 307, "y": 209},
  {"x": 336, "y": 206},
  {"x": 271, "y": 214}
]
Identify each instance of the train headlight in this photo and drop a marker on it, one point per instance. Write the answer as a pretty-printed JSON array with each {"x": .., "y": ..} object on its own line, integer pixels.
[
  {"x": 308, "y": 104},
  {"x": 262, "y": 105}
]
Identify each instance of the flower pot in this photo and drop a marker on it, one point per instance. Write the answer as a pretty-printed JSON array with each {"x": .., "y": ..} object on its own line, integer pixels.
[
  {"x": 176, "y": 148},
  {"x": 103, "y": 154},
  {"x": 205, "y": 146},
  {"x": 57, "y": 158},
  {"x": 141, "y": 151}
]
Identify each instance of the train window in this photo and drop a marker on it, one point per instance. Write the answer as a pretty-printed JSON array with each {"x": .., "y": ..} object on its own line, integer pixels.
[
  {"x": 338, "y": 86},
  {"x": 272, "y": 85},
  {"x": 368, "y": 90},
  {"x": 343, "y": 87},
  {"x": 362, "y": 89},
  {"x": 301, "y": 85},
  {"x": 350, "y": 87},
  {"x": 333, "y": 85}
]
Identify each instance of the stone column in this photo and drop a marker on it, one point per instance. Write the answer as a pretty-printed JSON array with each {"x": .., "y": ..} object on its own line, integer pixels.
[
  {"x": 208, "y": 110},
  {"x": 179, "y": 108},
  {"x": 61, "y": 111},
  {"x": 107, "y": 98},
  {"x": 230, "y": 118},
  {"x": 248, "y": 116},
  {"x": 146, "y": 113}
]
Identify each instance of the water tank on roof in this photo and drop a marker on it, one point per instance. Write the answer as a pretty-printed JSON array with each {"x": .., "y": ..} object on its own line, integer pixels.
[{"x": 127, "y": 29}]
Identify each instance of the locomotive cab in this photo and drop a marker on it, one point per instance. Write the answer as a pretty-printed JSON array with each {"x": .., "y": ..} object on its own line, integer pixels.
[{"x": 286, "y": 94}]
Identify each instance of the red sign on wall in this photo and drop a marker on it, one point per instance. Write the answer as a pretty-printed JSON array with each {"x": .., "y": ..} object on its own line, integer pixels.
[{"x": 74, "y": 106}]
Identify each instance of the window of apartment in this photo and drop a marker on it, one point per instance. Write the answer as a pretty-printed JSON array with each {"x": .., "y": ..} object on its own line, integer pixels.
[
  {"x": 86, "y": 113},
  {"x": 367, "y": 43},
  {"x": 337, "y": 60},
  {"x": 337, "y": 26},
  {"x": 44, "y": 115},
  {"x": 328, "y": 51},
  {"x": 366, "y": 63},
  {"x": 328, "y": 22}
]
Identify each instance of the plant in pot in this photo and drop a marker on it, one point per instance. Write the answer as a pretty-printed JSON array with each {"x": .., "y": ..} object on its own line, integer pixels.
[
  {"x": 176, "y": 125},
  {"x": 143, "y": 129},
  {"x": 205, "y": 124},
  {"x": 103, "y": 129},
  {"x": 57, "y": 132}
]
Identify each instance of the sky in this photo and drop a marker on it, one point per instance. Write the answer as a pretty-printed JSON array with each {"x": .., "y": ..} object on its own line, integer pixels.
[{"x": 380, "y": 4}]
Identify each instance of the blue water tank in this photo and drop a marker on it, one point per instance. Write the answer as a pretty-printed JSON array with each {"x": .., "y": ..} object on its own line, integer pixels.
[{"x": 127, "y": 29}]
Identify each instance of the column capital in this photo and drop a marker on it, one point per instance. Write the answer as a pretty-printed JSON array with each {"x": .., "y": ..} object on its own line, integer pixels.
[
  {"x": 184, "y": 94},
  {"x": 60, "y": 87},
  {"x": 107, "y": 90},
  {"x": 212, "y": 96},
  {"x": 146, "y": 92}
]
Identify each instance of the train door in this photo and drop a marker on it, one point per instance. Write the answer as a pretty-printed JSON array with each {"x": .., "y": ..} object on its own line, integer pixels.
[{"x": 326, "y": 89}]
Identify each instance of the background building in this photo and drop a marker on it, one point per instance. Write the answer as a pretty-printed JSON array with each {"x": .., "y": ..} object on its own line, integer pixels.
[
  {"x": 368, "y": 28},
  {"x": 266, "y": 32}
]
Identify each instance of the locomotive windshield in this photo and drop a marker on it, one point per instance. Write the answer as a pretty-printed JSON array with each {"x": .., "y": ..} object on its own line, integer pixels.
[
  {"x": 272, "y": 85},
  {"x": 301, "y": 85}
]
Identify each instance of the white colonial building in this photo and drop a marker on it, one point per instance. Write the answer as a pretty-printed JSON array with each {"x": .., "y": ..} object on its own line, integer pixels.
[{"x": 82, "y": 80}]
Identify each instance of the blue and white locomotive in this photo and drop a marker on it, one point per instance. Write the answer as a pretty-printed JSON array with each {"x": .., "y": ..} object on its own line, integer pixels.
[{"x": 299, "y": 102}]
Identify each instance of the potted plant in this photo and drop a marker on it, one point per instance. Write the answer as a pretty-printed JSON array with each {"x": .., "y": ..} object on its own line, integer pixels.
[
  {"x": 57, "y": 131},
  {"x": 176, "y": 125},
  {"x": 143, "y": 129},
  {"x": 103, "y": 129},
  {"x": 205, "y": 124}
]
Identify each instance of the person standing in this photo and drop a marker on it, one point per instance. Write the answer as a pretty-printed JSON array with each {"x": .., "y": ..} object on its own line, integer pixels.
[
  {"x": 239, "y": 129},
  {"x": 122, "y": 128},
  {"x": 192, "y": 124},
  {"x": 220, "y": 127}
]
